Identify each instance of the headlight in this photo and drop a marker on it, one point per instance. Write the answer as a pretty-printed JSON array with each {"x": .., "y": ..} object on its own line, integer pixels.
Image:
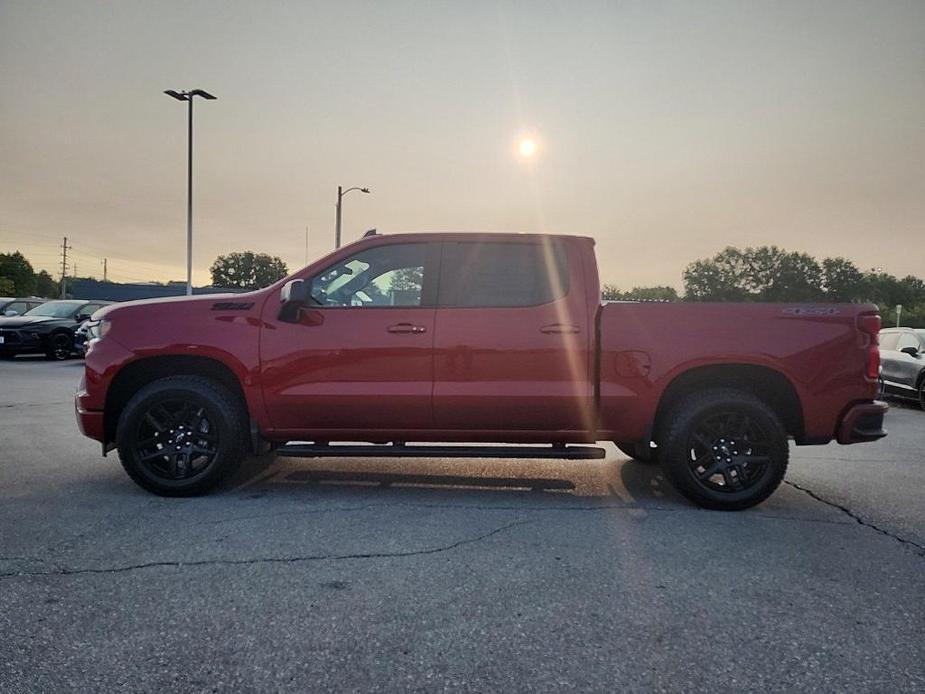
[{"x": 98, "y": 328}]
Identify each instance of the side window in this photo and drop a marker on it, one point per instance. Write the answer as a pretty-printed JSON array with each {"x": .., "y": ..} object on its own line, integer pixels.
[
  {"x": 888, "y": 341},
  {"x": 907, "y": 340},
  {"x": 391, "y": 275},
  {"x": 503, "y": 274},
  {"x": 19, "y": 306}
]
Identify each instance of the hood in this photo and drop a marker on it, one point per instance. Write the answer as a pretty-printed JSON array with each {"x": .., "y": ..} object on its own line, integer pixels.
[
  {"x": 175, "y": 302},
  {"x": 14, "y": 322}
]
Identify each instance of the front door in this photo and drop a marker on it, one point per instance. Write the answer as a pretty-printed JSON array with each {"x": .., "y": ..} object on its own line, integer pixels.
[{"x": 360, "y": 358}]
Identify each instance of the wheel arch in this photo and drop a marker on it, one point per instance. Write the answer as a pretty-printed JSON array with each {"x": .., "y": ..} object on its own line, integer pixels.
[
  {"x": 767, "y": 384},
  {"x": 140, "y": 372}
]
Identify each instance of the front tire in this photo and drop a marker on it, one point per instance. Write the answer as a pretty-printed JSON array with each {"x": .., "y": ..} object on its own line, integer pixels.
[
  {"x": 182, "y": 435},
  {"x": 724, "y": 449},
  {"x": 60, "y": 346}
]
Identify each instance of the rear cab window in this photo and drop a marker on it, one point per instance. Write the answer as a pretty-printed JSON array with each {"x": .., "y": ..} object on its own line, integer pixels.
[{"x": 502, "y": 274}]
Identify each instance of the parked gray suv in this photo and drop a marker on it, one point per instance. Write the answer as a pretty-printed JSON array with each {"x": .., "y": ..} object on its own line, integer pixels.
[{"x": 902, "y": 357}]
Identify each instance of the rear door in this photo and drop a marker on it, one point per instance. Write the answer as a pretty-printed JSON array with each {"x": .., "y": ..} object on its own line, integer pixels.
[
  {"x": 362, "y": 357},
  {"x": 513, "y": 338}
]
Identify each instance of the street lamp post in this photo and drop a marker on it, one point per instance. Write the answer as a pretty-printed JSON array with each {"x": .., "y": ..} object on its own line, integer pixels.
[
  {"x": 340, "y": 195},
  {"x": 188, "y": 97}
]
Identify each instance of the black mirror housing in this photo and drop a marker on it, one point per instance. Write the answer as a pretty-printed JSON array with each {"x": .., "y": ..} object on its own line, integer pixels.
[
  {"x": 293, "y": 297},
  {"x": 911, "y": 351},
  {"x": 81, "y": 317}
]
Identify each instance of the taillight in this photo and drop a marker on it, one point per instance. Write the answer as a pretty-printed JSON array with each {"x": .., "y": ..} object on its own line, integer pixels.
[
  {"x": 869, "y": 324},
  {"x": 873, "y": 361}
]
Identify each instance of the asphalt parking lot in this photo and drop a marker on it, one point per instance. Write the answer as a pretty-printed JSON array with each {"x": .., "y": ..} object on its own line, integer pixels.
[{"x": 312, "y": 575}]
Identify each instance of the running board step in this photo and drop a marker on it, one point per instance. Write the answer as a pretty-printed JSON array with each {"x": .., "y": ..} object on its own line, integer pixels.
[{"x": 301, "y": 450}]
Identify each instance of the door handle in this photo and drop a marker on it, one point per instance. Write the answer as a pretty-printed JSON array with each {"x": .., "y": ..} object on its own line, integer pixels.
[
  {"x": 406, "y": 328},
  {"x": 559, "y": 328}
]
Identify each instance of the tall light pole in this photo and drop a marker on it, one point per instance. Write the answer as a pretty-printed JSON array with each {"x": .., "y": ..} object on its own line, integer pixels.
[
  {"x": 340, "y": 196},
  {"x": 188, "y": 97}
]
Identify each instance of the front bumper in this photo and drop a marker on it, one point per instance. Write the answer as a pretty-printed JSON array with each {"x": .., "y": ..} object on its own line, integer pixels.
[
  {"x": 90, "y": 422},
  {"x": 863, "y": 422},
  {"x": 20, "y": 342}
]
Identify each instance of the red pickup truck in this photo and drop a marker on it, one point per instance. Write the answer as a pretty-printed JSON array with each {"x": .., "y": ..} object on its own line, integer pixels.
[{"x": 476, "y": 338}]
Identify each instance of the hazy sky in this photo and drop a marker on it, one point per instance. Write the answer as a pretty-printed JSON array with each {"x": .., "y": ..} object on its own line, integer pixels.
[{"x": 667, "y": 130}]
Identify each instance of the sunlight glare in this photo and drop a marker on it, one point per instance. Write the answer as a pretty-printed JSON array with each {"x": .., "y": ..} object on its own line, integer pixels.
[{"x": 527, "y": 147}]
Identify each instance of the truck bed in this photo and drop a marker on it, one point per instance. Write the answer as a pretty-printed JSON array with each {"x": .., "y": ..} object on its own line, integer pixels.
[{"x": 644, "y": 347}]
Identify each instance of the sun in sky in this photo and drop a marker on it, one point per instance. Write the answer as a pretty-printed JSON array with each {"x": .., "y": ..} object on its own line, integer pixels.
[{"x": 527, "y": 147}]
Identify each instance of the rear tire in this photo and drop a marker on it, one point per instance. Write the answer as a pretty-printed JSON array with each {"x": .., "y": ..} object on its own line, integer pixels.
[
  {"x": 639, "y": 452},
  {"x": 724, "y": 449},
  {"x": 182, "y": 435}
]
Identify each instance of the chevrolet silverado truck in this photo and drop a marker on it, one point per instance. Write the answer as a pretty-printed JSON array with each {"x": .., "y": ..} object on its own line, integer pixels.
[{"x": 476, "y": 338}]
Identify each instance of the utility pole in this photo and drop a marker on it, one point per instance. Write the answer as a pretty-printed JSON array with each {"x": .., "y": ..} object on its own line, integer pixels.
[
  {"x": 104, "y": 269},
  {"x": 306, "y": 245},
  {"x": 340, "y": 196},
  {"x": 64, "y": 249}
]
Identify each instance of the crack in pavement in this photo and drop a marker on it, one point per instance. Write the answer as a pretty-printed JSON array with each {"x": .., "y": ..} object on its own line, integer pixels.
[
  {"x": 36, "y": 404},
  {"x": 270, "y": 560},
  {"x": 858, "y": 518}
]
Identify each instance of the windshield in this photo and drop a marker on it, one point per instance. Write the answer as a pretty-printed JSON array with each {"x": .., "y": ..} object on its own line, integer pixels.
[{"x": 54, "y": 309}]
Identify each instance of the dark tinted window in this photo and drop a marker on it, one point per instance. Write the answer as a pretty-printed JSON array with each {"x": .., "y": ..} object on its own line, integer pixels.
[
  {"x": 888, "y": 340},
  {"x": 391, "y": 275},
  {"x": 502, "y": 274}
]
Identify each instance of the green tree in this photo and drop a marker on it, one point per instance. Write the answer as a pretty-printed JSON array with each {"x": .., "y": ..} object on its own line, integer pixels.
[
  {"x": 247, "y": 270},
  {"x": 657, "y": 293},
  {"x": 7, "y": 288},
  {"x": 842, "y": 281},
  {"x": 45, "y": 286},
  {"x": 407, "y": 279},
  {"x": 15, "y": 267},
  {"x": 721, "y": 278},
  {"x": 766, "y": 273}
]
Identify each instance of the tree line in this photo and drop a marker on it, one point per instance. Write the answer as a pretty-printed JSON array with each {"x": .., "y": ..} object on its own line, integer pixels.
[
  {"x": 772, "y": 274},
  {"x": 765, "y": 273},
  {"x": 19, "y": 279}
]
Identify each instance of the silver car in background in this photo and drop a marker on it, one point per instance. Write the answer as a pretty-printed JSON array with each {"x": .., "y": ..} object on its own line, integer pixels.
[{"x": 902, "y": 359}]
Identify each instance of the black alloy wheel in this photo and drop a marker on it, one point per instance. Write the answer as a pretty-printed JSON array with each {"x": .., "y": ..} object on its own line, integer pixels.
[
  {"x": 176, "y": 440},
  {"x": 724, "y": 449},
  {"x": 728, "y": 452},
  {"x": 60, "y": 346},
  {"x": 182, "y": 435}
]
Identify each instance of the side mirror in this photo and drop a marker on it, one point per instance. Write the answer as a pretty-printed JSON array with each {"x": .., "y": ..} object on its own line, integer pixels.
[
  {"x": 81, "y": 317},
  {"x": 911, "y": 351},
  {"x": 11, "y": 313},
  {"x": 294, "y": 296}
]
